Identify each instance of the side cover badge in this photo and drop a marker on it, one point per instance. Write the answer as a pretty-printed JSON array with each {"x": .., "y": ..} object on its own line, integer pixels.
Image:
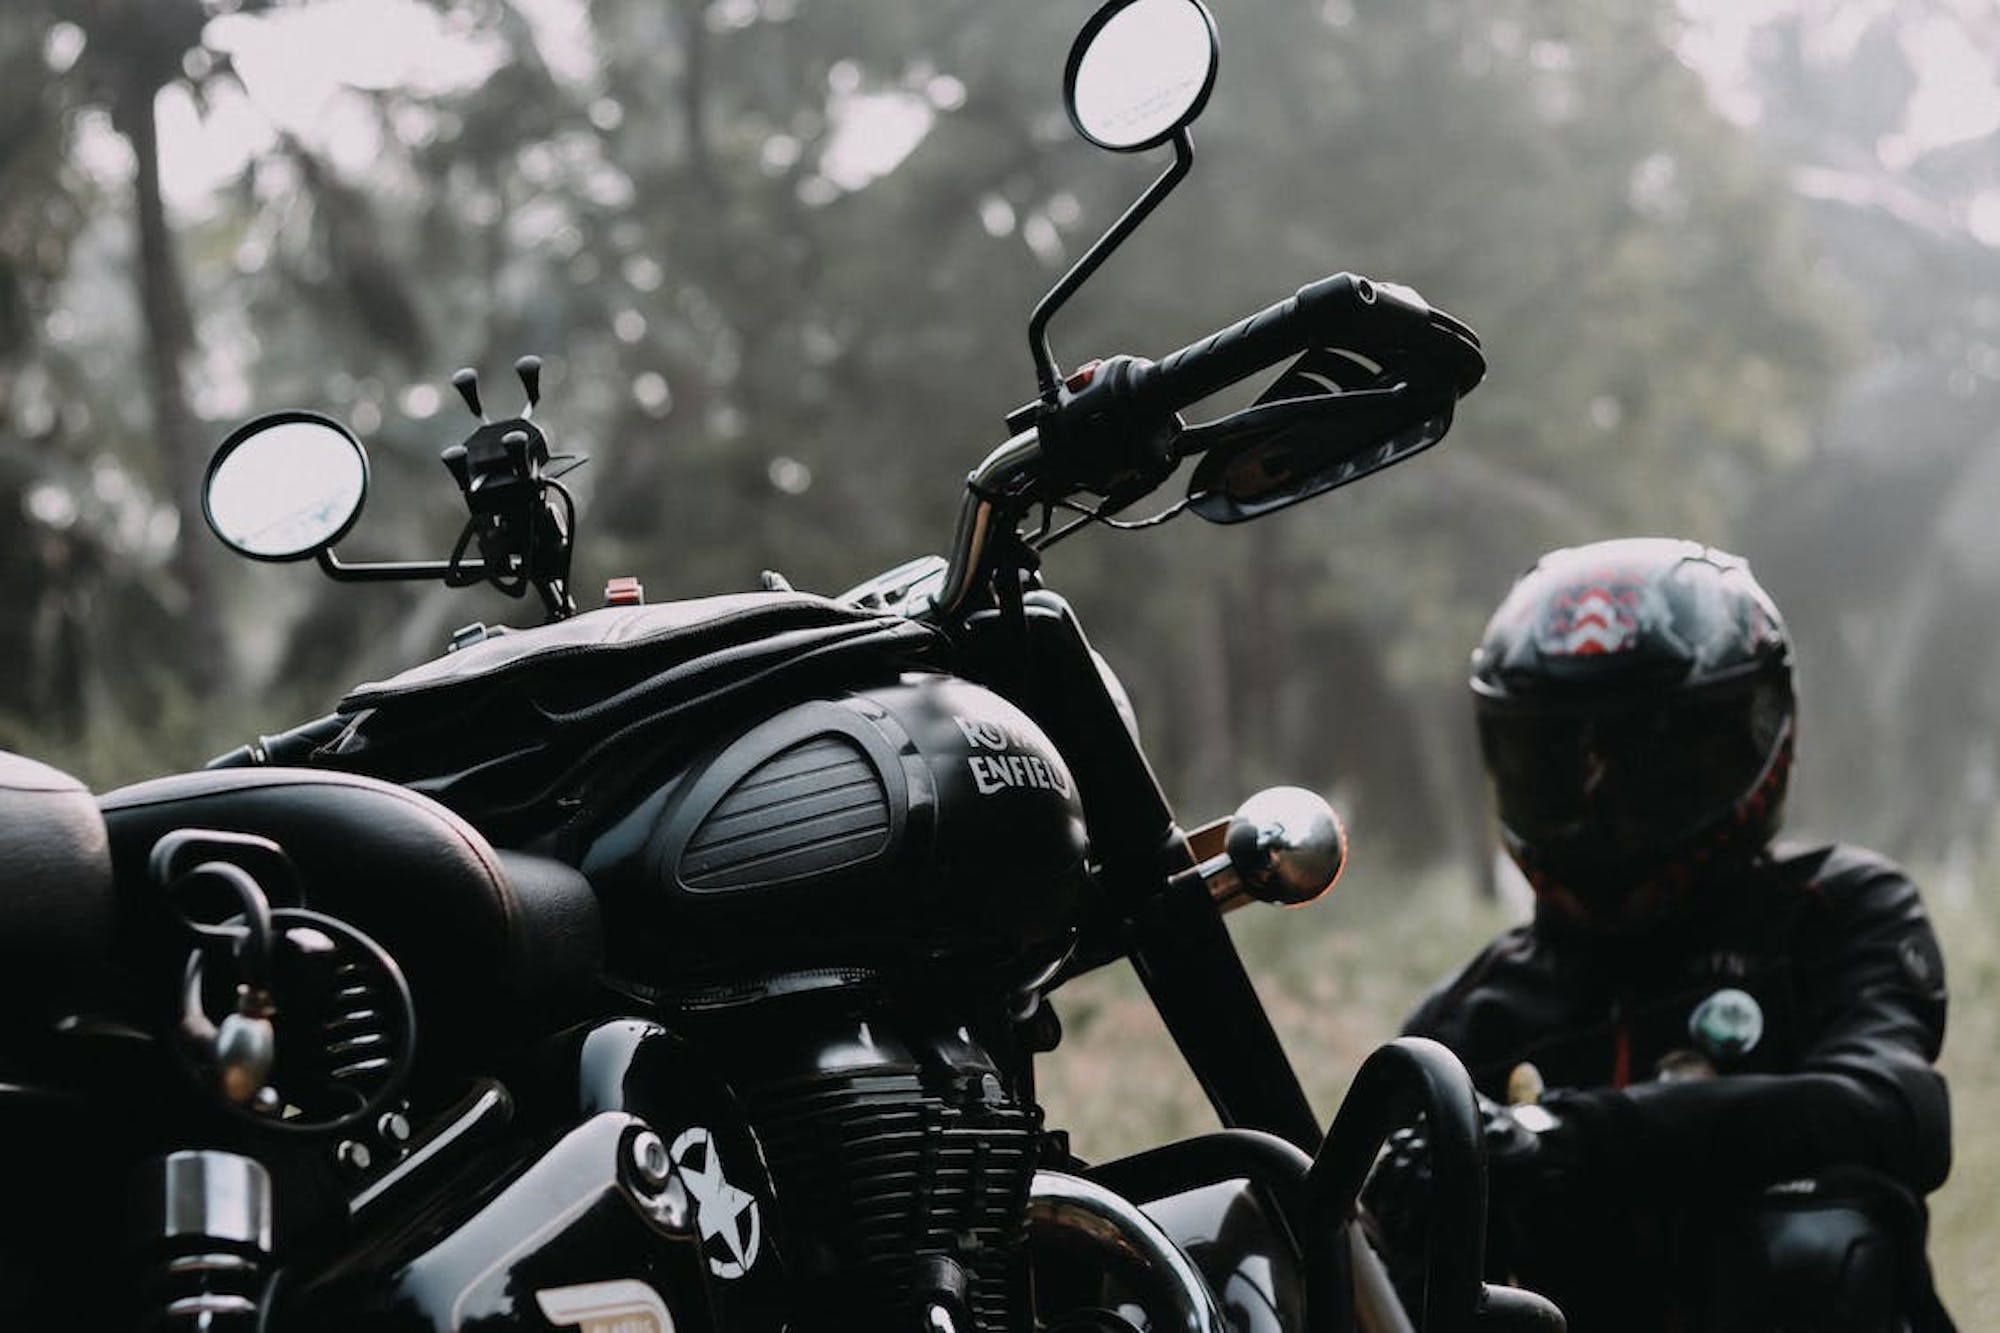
[
  {"x": 624, "y": 1305},
  {"x": 728, "y": 1217}
]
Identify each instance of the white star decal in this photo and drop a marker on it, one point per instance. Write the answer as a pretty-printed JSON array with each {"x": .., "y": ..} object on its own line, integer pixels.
[{"x": 720, "y": 1209}]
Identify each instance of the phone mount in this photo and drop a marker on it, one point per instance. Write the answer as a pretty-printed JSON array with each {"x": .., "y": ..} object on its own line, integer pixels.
[{"x": 290, "y": 485}]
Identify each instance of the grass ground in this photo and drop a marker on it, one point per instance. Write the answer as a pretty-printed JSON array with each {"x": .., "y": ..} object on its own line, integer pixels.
[{"x": 1337, "y": 978}]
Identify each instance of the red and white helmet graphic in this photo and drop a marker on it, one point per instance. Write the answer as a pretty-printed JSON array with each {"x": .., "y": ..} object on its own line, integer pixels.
[{"x": 1596, "y": 615}]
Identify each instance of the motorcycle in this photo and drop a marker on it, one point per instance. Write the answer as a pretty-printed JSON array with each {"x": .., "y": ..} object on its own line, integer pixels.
[{"x": 684, "y": 966}]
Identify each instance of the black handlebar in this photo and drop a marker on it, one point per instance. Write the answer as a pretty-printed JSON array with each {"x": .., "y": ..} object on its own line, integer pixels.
[
  {"x": 1327, "y": 310},
  {"x": 1114, "y": 427}
]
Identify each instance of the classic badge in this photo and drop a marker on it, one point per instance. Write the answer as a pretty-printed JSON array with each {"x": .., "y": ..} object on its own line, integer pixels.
[{"x": 623, "y": 1305}]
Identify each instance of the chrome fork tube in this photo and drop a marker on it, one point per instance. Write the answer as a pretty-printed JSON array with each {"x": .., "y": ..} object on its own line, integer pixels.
[{"x": 1001, "y": 472}]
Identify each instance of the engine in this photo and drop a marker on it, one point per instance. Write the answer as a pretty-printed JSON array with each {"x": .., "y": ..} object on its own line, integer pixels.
[{"x": 901, "y": 1155}]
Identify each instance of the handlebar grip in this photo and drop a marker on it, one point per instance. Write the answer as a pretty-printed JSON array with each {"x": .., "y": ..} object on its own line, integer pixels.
[
  {"x": 287, "y": 748},
  {"x": 1326, "y": 309}
]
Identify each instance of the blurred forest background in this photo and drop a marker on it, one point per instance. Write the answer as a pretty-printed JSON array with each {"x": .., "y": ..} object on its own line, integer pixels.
[{"x": 1737, "y": 266}]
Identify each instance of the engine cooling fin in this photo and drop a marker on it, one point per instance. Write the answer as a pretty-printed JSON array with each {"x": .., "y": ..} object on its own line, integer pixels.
[{"x": 882, "y": 1170}]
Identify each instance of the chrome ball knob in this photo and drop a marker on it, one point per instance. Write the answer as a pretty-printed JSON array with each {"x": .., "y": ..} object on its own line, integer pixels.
[{"x": 1286, "y": 845}]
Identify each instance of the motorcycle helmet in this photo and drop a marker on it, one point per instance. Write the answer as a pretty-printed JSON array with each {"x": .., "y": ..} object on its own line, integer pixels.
[{"x": 1635, "y": 709}]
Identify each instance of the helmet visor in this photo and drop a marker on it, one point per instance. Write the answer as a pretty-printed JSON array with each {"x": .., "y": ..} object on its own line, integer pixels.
[{"x": 1608, "y": 783}]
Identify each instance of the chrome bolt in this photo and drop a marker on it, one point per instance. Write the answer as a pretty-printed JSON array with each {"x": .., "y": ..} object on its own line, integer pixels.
[
  {"x": 354, "y": 1155},
  {"x": 394, "y": 1127},
  {"x": 650, "y": 1160}
]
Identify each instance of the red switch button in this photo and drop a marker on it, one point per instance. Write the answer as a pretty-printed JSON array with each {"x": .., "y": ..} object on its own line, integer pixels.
[
  {"x": 1081, "y": 377},
  {"x": 625, "y": 590}
]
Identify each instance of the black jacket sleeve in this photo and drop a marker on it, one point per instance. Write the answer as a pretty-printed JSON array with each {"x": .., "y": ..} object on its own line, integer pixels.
[{"x": 1870, "y": 986}]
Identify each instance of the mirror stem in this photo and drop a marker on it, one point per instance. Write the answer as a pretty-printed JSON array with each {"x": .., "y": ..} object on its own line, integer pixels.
[
  {"x": 1038, "y": 323},
  {"x": 457, "y": 574}
]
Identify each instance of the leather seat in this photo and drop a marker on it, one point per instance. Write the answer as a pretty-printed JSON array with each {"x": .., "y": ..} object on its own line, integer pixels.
[
  {"x": 485, "y": 937},
  {"x": 56, "y": 900}
]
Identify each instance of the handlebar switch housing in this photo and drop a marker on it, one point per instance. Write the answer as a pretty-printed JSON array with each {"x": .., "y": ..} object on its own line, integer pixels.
[{"x": 1104, "y": 437}]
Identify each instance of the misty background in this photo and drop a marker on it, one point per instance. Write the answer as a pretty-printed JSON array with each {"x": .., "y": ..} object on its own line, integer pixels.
[{"x": 1736, "y": 265}]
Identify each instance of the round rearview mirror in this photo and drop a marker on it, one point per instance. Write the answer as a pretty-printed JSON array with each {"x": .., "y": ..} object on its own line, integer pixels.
[
  {"x": 285, "y": 486},
  {"x": 1139, "y": 72}
]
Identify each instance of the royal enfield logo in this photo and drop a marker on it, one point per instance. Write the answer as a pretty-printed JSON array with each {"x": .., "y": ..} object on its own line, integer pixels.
[
  {"x": 1012, "y": 763},
  {"x": 727, "y": 1216},
  {"x": 983, "y": 735},
  {"x": 620, "y": 1306}
]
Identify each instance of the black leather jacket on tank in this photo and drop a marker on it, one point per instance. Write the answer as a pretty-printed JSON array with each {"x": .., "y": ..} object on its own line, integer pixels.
[{"x": 1666, "y": 1142}]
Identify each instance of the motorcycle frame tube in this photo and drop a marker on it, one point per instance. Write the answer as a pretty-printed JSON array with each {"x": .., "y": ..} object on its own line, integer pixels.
[
  {"x": 1133, "y": 836},
  {"x": 1154, "y": 911},
  {"x": 999, "y": 474},
  {"x": 1188, "y": 963}
]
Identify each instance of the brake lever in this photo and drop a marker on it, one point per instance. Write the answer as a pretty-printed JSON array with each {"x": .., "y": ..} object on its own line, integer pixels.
[{"x": 1280, "y": 415}]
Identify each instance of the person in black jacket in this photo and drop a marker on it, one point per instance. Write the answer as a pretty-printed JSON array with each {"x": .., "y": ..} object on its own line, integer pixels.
[{"x": 1706, "y": 1063}]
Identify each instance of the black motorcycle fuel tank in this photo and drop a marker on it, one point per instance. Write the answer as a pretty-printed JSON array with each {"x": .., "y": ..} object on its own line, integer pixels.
[{"x": 926, "y": 820}]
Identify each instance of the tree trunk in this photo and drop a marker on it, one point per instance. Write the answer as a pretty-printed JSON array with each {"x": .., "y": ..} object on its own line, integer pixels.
[
  {"x": 1260, "y": 659},
  {"x": 203, "y": 651},
  {"x": 1454, "y": 783},
  {"x": 694, "y": 91},
  {"x": 1199, "y": 726}
]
